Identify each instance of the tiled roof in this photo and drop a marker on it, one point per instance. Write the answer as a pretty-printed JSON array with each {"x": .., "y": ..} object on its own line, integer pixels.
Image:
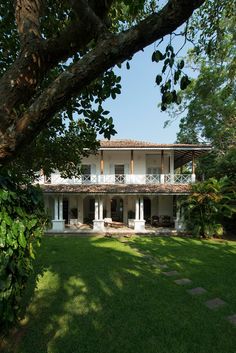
[
  {"x": 117, "y": 189},
  {"x": 144, "y": 144}
]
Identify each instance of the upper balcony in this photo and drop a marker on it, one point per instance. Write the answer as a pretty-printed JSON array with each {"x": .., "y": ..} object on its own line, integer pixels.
[{"x": 126, "y": 179}]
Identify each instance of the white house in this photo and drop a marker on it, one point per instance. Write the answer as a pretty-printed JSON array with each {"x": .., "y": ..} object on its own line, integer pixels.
[{"x": 127, "y": 182}]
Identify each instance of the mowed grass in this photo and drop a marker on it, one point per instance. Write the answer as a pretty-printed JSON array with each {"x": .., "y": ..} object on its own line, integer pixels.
[{"x": 98, "y": 295}]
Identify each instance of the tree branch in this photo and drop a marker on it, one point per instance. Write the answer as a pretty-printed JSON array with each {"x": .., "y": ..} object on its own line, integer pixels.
[
  {"x": 27, "y": 14},
  {"x": 79, "y": 33},
  {"x": 87, "y": 16},
  {"x": 107, "y": 53}
]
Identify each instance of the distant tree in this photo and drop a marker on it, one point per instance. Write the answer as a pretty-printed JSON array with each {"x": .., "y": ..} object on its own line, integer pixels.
[
  {"x": 210, "y": 203},
  {"x": 208, "y": 105}
]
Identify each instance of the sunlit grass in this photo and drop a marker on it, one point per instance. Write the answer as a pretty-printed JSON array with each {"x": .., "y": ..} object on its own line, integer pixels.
[{"x": 98, "y": 295}]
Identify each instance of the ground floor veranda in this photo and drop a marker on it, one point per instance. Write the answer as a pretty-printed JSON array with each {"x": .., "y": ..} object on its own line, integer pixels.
[{"x": 100, "y": 213}]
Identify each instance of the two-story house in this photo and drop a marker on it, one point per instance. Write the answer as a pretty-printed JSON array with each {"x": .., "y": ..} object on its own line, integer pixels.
[{"x": 127, "y": 181}]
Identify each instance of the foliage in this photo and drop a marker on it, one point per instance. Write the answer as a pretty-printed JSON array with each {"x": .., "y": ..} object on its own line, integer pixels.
[
  {"x": 207, "y": 206},
  {"x": 22, "y": 221},
  {"x": 208, "y": 108},
  {"x": 75, "y": 44}
]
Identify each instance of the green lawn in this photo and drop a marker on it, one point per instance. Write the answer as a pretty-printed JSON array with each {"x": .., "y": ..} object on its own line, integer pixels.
[{"x": 98, "y": 295}]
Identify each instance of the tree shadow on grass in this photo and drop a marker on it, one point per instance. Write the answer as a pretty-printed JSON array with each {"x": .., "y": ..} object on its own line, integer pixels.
[
  {"x": 98, "y": 295},
  {"x": 209, "y": 263}
]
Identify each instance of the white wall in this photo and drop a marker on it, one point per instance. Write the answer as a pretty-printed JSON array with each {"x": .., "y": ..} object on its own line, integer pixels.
[{"x": 142, "y": 160}]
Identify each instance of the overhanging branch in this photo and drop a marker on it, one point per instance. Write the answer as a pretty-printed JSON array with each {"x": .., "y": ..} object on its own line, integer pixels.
[
  {"x": 27, "y": 14},
  {"x": 107, "y": 53}
]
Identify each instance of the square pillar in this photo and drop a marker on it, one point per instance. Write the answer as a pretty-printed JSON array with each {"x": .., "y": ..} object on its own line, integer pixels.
[
  {"x": 98, "y": 226},
  {"x": 139, "y": 226},
  {"x": 98, "y": 223},
  {"x": 162, "y": 179},
  {"x": 58, "y": 223}
]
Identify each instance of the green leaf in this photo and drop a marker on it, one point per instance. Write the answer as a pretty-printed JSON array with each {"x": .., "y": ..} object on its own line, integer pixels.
[
  {"x": 184, "y": 82},
  {"x": 158, "y": 79},
  {"x": 181, "y": 64},
  {"x": 157, "y": 56},
  {"x": 22, "y": 240}
]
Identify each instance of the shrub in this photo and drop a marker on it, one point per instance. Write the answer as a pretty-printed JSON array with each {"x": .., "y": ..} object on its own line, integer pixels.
[
  {"x": 206, "y": 208},
  {"x": 22, "y": 220}
]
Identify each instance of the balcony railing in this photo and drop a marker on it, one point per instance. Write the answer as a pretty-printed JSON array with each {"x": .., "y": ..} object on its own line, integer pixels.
[{"x": 122, "y": 179}]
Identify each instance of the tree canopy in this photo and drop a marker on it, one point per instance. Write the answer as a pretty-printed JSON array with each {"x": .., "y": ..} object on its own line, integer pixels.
[
  {"x": 208, "y": 105},
  {"x": 57, "y": 59},
  {"x": 58, "y": 56}
]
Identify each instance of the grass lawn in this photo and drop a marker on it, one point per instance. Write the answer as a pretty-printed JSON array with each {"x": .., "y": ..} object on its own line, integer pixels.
[{"x": 98, "y": 295}]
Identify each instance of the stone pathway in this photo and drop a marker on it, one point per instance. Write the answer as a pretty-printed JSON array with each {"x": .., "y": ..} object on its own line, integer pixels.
[
  {"x": 197, "y": 291},
  {"x": 232, "y": 319},
  {"x": 212, "y": 304},
  {"x": 171, "y": 273},
  {"x": 183, "y": 281}
]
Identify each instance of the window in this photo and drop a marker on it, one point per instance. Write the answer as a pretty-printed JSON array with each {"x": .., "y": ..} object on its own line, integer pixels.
[
  {"x": 153, "y": 175},
  {"x": 119, "y": 173},
  {"x": 86, "y": 173}
]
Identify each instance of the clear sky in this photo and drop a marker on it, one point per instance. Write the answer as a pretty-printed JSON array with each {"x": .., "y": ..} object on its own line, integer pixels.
[{"x": 135, "y": 111}]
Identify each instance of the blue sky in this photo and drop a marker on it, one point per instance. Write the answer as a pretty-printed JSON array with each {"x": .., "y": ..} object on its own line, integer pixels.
[{"x": 135, "y": 111}]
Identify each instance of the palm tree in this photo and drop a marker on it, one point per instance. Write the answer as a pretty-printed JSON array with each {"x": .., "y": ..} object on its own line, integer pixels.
[{"x": 210, "y": 202}]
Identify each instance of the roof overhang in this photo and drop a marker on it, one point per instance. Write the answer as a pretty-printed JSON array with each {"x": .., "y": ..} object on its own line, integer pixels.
[{"x": 157, "y": 189}]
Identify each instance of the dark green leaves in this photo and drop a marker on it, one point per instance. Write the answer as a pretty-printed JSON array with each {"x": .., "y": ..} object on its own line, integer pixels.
[
  {"x": 184, "y": 82},
  {"x": 22, "y": 220},
  {"x": 158, "y": 79},
  {"x": 171, "y": 75},
  {"x": 158, "y": 56}
]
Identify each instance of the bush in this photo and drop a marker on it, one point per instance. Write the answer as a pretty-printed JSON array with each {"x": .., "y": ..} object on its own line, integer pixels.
[
  {"x": 22, "y": 220},
  {"x": 205, "y": 210}
]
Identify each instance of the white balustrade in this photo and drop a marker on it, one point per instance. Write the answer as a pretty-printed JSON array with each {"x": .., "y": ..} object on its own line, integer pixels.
[{"x": 121, "y": 179}]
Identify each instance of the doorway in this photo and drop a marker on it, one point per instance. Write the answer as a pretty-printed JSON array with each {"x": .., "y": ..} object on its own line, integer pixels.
[
  {"x": 65, "y": 210},
  {"x": 117, "y": 209},
  {"x": 147, "y": 209}
]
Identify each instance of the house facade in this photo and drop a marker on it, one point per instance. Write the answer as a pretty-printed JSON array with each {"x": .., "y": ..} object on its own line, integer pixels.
[{"x": 127, "y": 182}]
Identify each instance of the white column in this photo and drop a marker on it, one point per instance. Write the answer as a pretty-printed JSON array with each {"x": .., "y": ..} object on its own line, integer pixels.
[
  {"x": 56, "y": 208},
  {"x": 137, "y": 208},
  {"x": 193, "y": 178},
  {"x": 101, "y": 208},
  {"x": 60, "y": 208},
  {"x": 98, "y": 223},
  {"x": 141, "y": 209},
  {"x": 96, "y": 209},
  {"x": 139, "y": 222},
  {"x": 58, "y": 224}
]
